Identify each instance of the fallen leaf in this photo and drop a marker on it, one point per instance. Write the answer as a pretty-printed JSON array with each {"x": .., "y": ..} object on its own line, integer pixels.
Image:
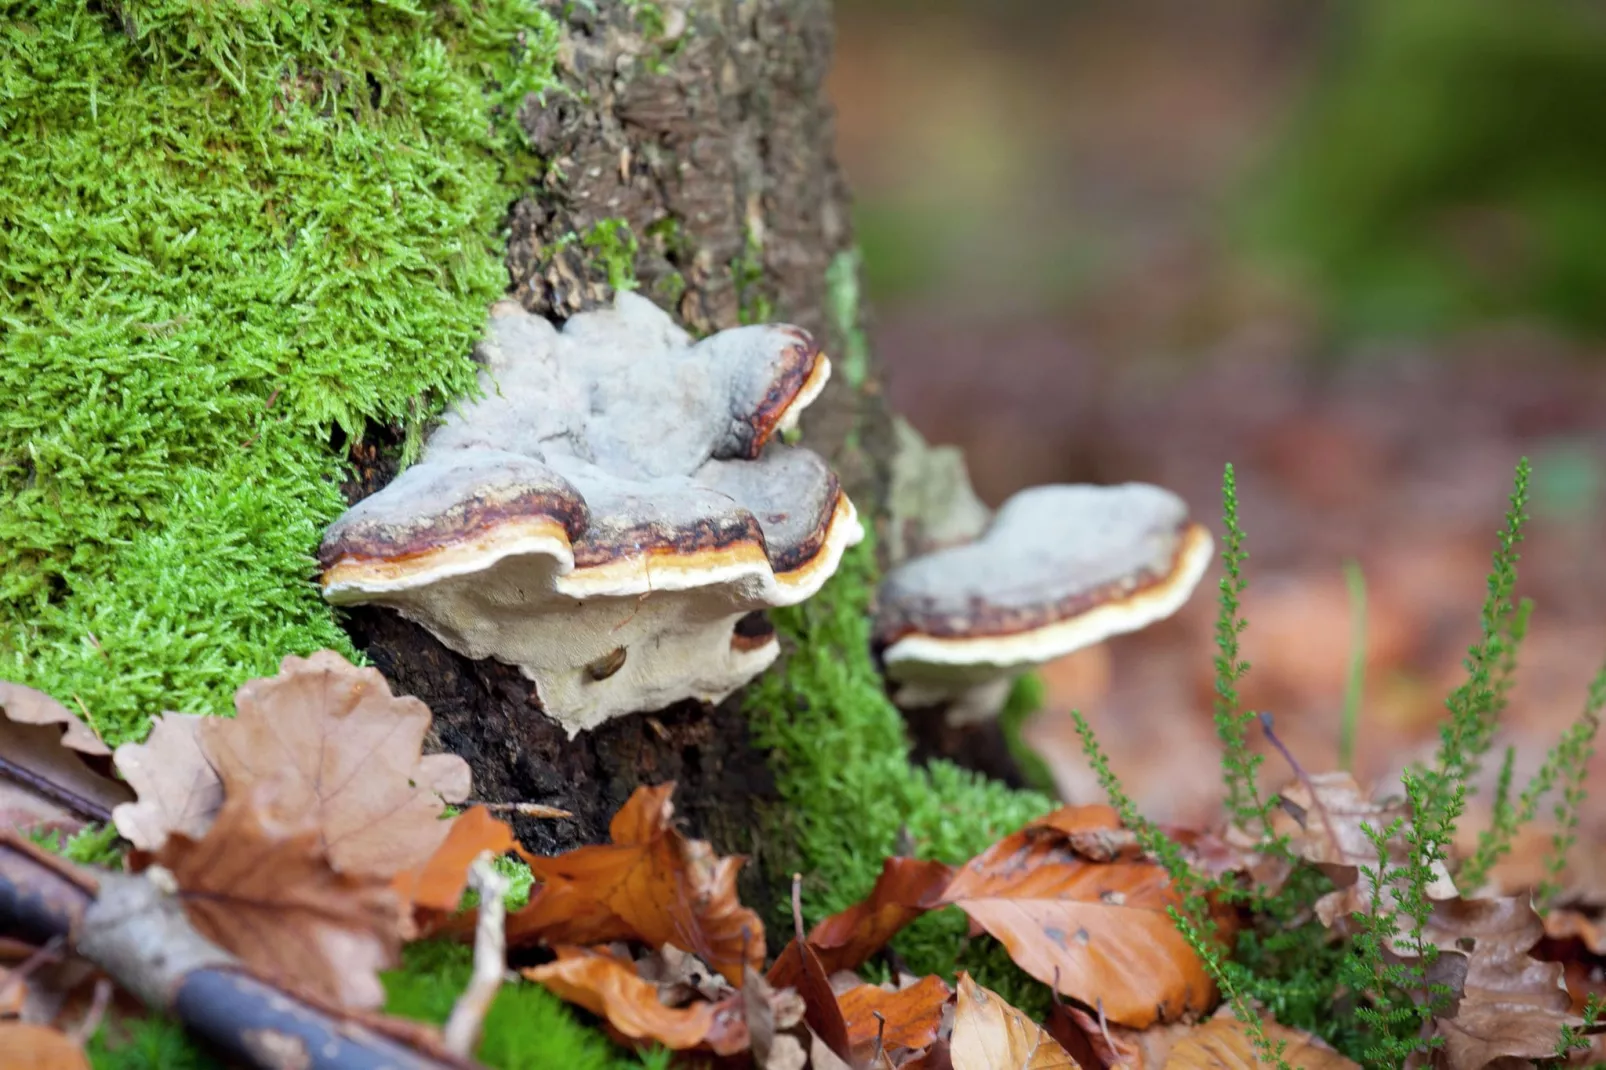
[
  {"x": 1102, "y": 1046},
  {"x": 1512, "y": 1005},
  {"x": 52, "y": 767},
  {"x": 1097, "y": 930},
  {"x": 651, "y": 884},
  {"x": 1326, "y": 818},
  {"x": 1563, "y": 924},
  {"x": 769, "y": 1013},
  {"x": 912, "y": 1015},
  {"x": 266, "y": 892},
  {"x": 608, "y": 987},
  {"x": 989, "y": 1034},
  {"x": 1223, "y": 1043},
  {"x": 340, "y": 750},
  {"x": 178, "y": 789},
  {"x": 38, "y": 1047},
  {"x": 820, "y": 1009},
  {"x": 438, "y": 883},
  {"x": 681, "y": 976},
  {"x": 906, "y": 889}
]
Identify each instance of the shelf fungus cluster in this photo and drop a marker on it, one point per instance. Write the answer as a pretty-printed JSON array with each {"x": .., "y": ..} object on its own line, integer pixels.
[
  {"x": 1058, "y": 569},
  {"x": 613, "y": 514}
]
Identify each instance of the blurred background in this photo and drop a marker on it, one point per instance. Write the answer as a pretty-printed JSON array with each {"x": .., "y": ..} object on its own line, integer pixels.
[{"x": 1357, "y": 249}]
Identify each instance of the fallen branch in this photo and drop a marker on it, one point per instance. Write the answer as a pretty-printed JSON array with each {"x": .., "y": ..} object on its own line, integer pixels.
[{"x": 134, "y": 928}]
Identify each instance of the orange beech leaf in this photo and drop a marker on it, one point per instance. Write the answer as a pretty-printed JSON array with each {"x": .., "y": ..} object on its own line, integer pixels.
[
  {"x": 438, "y": 883},
  {"x": 906, "y": 889},
  {"x": 266, "y": 892},
  {"x": 178, "y": 789},
  {"x": 1224, "y": 1044},
  {"x": 609, "y": 988},
  {"x": 339, "y": 750},
  {"x": 1097, "y": 930},
  {"x": 913, "y": 1015},
  {"x": 989, "y": 1034},
  {"x": 651, "y": 884},
  {"x": 38, "y": 1047}
]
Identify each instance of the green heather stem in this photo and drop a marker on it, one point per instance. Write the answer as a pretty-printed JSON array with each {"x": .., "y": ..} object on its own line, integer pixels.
[
  {"x": 1238, "y": 763},
  {"x": 1355, "y": 681}
]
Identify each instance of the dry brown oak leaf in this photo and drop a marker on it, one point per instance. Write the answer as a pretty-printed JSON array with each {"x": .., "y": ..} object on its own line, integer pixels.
[
  {"x": 36, "y": 1047},
  {"x": 52, "y": 767},
  {"x": 1099, "y": 930},
  {"x": 1512, "y": 1005},
  {"x": 1325, "y": 819},
  {"x": 906, "y": 889},
  {"x": 342, "y": 752},
  {"x": 178, "y": 789},
  {"x": 651, "y": 884},
  {"x": 1223, "y": 1043},
  {"x": 989, "y": 1034},
  {"x": 265, "y": 891},
  {"x": 912, "y": 1016},
  {"x": 610, "y": 988}
]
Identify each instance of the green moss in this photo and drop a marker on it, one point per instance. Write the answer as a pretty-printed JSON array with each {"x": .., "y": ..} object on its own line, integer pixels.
[
  {"x": 147, "y": 1044},
  {"x": 851, "y": 797},
  {"x": 747, "y": 272},
  {"x": 1025, "y": 699},
  {"x": 842, "y": 305},
  {"x": 527, "y": 1026},
  {"x": 233, "y": 230},
  {"x": 1442, "y": 172},
  {"x": 613, "y": 246}
]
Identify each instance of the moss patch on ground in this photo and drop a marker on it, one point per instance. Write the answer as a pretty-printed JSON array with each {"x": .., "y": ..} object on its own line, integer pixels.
[
  {"x": 850, "y": 795},
  {"x": 233, "y": 231}
]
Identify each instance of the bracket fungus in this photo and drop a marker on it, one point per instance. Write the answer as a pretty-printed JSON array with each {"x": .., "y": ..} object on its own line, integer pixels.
[
  {"x": 1058, "y": 569},
  {"x": 612, "y": 513}
]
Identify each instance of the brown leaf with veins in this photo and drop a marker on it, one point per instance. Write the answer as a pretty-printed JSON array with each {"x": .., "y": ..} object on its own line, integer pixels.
[
  {"x": 266, "y": 892},
  {"x": 608, "y": 987},
  {"x": 913, "y": 1015},
  {"x": 651, "y": 884},
  {"x": 52, "y": 767},
  {"x": 178, "y": 789},
  {"x": 1224, "y": 1044},
  {"x": 989, "y": 1034},
  {"x": 38, "y": 1047},
  {"x": 340, "y": 750},
  {"x": 1512, "y": 1005},
  {"x": 1097, "y": 930},
  {"x": 906, "y": 889}
]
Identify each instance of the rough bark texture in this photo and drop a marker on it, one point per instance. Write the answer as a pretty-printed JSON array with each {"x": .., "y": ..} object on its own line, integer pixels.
[{"x": 705, "y": 128}]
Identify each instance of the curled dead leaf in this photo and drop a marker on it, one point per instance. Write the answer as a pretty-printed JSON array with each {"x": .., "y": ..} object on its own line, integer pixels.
[
  {"x": 989, "y": 1034},
  {"x": 1097, "y": 930},
  {"x": 909, "y": 1017},
  {"x": 1225, "y": 1043},
  {"x": 339, "y": 750},
  {"x": 905, "y": 889},
  {"x": 437, "y": 884},
  {"x": 609, "y": 987},
  {"x": 1512, "y": 1005},
  {"x": 178, "y": 789},
  {"x": 53, "y": 768},
  {"x": 652, "y": 884},
  {"x": 266, "y": 892}
]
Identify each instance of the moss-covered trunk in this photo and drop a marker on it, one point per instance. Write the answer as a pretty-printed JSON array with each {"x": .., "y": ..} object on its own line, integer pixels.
[{"x": 689, "y": 155}]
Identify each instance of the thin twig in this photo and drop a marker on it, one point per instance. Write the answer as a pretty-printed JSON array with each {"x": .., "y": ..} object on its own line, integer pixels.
[
  {"x": 462, "y": 1033},
  {"x": 525, "y": 809},
  {"x": 48, "y": 952},
  {"x": 1310, "y": 785},
  {"x": 97, "y": 1010}
]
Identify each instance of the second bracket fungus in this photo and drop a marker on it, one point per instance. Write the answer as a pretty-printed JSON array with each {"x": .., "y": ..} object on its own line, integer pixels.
[
  {"x": 1059, "y": 568},
  {"x": 612, "y": 514}
]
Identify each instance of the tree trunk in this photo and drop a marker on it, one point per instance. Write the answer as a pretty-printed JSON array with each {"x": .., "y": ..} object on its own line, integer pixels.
[{"x": 703, "y": 125}]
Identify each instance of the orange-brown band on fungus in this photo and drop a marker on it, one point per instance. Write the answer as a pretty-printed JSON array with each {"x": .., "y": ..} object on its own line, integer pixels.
[
  {"x": 476, "y": 518},
  {"x": 805, "y": 572},
  {"x": 984, "y": 619},
  {"x": 803, "y": 367},
  {"x": 752, "y": 632},
  {"x": 506, "y": 537}
]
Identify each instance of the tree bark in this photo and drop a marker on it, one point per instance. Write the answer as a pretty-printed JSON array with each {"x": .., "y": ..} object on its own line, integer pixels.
[{"x": 706, "y": 129}]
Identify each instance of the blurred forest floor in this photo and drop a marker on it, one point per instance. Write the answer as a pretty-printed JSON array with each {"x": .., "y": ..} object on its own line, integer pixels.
[{"x": 1041, "y": 202}]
